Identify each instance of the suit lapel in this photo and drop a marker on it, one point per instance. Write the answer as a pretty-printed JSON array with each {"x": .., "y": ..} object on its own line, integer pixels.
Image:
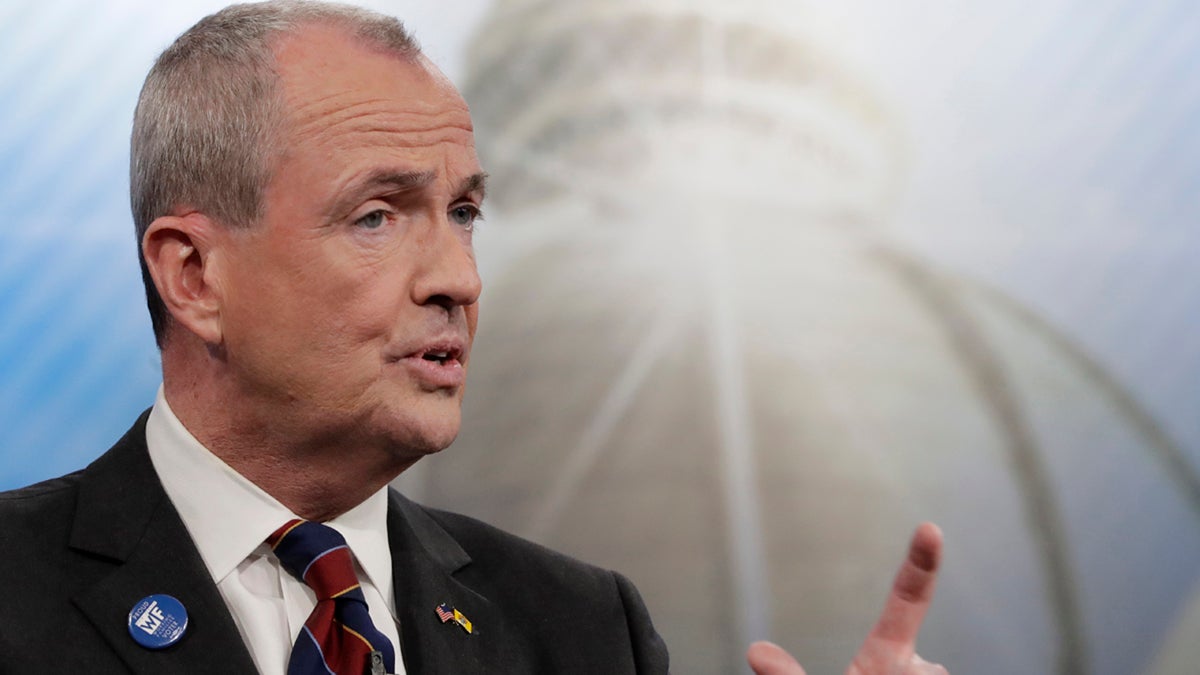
[
  {"x": 425, "y": 559},
  {"x": 124, "y": 520}
]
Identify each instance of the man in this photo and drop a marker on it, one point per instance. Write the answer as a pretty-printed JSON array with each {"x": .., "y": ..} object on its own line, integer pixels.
[{"x": 305, "y": 188}]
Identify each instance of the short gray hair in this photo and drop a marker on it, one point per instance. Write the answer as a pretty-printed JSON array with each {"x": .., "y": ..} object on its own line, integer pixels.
[{"x": 209, "y": 115}]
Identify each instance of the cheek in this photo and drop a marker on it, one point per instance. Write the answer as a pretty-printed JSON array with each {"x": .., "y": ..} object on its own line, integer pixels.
[
  {"x": 360, "y": 312},
  {"x": 369, "y": 297},
  {"x": 293, "y": 311},
  {"x": 319, "y": 302}
]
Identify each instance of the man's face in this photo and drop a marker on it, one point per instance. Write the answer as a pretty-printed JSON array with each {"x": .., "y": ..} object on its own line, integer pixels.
[{"x": 349, "y": 310}]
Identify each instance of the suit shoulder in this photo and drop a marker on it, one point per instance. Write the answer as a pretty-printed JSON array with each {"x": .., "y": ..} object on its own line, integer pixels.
[
  {"x": 39, "y": 499},
  {"x": 35, "y": 524}
]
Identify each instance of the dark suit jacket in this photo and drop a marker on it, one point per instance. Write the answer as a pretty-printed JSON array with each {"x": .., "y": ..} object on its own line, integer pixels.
[{"x": 78, "y": 552}]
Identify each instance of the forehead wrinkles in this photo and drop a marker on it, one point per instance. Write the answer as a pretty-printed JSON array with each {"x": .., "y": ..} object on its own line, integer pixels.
[{"x": 334, "y": 120}]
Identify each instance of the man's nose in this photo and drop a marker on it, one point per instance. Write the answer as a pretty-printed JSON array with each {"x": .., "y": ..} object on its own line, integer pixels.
[{"x": 447, "y": 274}]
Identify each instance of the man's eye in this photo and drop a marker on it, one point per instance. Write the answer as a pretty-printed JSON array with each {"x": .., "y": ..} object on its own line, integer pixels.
[
  {"x": 465, "y": 216},
  {"x": 372, "y": 220}
]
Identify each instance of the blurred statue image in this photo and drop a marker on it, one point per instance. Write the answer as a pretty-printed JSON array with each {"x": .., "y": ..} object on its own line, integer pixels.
[{"x": 704, "y": 362}]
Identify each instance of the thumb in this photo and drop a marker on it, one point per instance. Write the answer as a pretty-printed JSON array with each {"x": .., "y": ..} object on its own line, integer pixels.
[{"x": 768, "y": 658}]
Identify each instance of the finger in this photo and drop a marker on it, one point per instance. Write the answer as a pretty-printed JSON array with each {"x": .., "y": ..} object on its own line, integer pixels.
[
  {"x": 768, "y": 658},
  {"x": 912, "y": 591},
  {"x": 919, "y": 666}
]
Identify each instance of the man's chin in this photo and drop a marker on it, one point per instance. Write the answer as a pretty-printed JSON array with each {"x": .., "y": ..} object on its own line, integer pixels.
[
  {"x": 423, "y": 447},
  {"x": 414, "y": 439},
  {"x": 403, "y": 425}
]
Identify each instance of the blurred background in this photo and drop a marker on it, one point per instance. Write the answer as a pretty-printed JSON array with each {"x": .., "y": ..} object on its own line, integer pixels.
[{"x": 766, "y": 286}]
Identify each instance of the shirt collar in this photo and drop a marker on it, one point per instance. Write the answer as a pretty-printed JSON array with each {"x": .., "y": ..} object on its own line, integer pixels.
[{"x": 228, "y": 516}]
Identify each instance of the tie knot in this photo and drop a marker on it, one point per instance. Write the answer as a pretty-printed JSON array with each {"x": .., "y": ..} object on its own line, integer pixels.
[{"x": 317, "y": 555}]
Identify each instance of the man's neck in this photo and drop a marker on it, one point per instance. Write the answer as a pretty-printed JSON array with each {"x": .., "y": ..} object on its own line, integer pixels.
[{"x": 318, "y": 473}]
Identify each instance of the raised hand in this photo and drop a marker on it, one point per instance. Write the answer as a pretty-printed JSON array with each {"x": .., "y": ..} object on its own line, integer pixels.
[{"x": 890, "y": 647}]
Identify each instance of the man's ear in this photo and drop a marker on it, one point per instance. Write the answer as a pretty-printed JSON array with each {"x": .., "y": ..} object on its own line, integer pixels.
[{"x": 181, "y": 257}]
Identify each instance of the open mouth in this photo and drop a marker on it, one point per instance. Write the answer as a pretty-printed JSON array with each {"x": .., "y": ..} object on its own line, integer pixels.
[
  {"x": 440, "y": 356},
  {"x": 437, "y": 366}
]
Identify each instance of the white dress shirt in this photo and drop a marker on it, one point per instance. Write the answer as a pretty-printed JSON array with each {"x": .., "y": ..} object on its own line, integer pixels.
[{"x": 229, "y": 518}]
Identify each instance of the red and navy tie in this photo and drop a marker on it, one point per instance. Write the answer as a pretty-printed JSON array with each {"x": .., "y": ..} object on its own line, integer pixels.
[{"x": 338, "y": 636}]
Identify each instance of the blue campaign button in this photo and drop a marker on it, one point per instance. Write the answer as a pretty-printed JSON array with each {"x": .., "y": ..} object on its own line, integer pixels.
[{"x": 157, "y": 621}]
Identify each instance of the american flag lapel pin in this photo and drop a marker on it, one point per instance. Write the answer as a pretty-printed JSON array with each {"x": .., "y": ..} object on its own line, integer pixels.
[{"x": 447, "y": 614}]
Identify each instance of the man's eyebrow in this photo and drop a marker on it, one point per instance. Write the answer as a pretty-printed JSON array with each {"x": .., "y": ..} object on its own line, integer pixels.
[
  {"x": 401, "y": 181},
  {"x": 473, "y": 183},
  {"x": 370, "y": 185},
  {"x": 398, "y": 180}
]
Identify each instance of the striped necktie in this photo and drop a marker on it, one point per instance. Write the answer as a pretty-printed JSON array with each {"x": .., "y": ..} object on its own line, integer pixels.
[{"x": 338, "y": 636}]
